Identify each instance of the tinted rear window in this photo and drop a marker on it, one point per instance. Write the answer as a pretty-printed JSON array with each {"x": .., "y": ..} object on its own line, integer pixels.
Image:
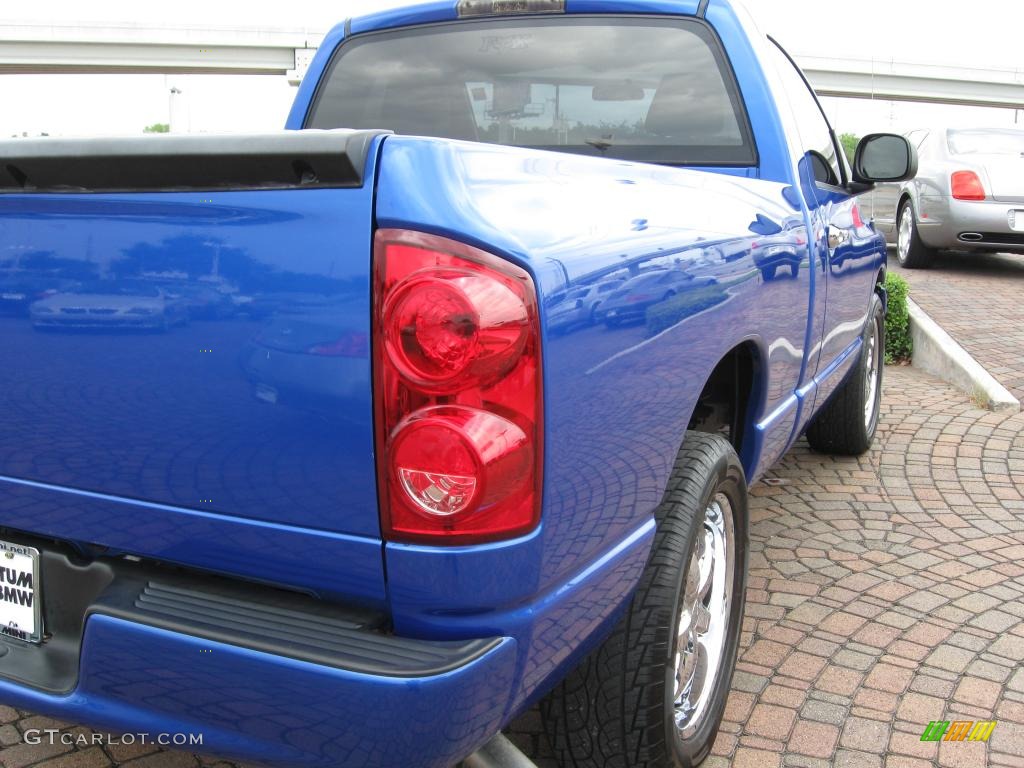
[{"x": 637, "y": 89}]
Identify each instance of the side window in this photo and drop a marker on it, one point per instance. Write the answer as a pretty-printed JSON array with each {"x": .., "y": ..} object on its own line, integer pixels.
[{"x": 815, "y": 135}]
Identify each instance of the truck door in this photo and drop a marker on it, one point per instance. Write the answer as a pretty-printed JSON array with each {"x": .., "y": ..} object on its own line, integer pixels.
[{"x": 844, "y": 253}]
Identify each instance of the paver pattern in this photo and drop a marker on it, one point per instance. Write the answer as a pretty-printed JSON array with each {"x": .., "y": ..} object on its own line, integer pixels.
[
  {"x": 885, "y": 592},
  {"x": 976, "y": 298}
]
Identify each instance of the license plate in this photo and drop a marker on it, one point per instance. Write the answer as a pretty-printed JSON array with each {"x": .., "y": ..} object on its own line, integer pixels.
[
  {"x": 20, "y": 614},
  {"x": 1017, "y": 221}
]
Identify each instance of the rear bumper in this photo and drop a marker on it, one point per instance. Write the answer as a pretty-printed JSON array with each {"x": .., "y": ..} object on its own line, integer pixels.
[
  {"x": 971, "y": 225},
  {"x": 251, "y": 673},
  {"x": 253, "y": 706},
  {"x": 276, "y": 677}
]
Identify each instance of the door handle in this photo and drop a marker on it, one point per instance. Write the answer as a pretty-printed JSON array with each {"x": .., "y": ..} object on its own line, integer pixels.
[{"x": 837, "y": 237}]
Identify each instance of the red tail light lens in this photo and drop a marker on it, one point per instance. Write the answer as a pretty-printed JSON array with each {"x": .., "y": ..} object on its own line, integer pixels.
[
  {"x": 450, "y": 327},
  {"x": 457, "y": 387},
  {"x": 967, "y": 186}
]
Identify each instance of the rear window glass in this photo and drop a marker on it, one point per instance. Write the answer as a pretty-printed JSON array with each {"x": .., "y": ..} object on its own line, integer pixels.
[
  {"x": 634, "y": 89},
  {"x": 987, "y": 142}
]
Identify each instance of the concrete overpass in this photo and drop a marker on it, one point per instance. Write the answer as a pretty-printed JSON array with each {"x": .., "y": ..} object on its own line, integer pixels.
[
  {"x": 128, "y": 48},
  {"x": 904, "y": 81},
  {"x": 138, "y": 49}
]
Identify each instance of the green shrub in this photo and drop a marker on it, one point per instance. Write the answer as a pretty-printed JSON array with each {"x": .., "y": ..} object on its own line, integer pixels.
[
  {"x": 898, "y": 346},
  {"x": 849, "y": 142},
  {"x": 668, "y": 313}
]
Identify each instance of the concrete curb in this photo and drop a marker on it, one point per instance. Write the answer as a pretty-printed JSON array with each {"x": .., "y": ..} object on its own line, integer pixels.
[{"x": 936, "y": 352}]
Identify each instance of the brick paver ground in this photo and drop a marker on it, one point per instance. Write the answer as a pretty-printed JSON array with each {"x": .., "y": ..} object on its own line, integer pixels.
[
  {"x": 885, "y": 592},
  {"x": 977, "y": 299}
]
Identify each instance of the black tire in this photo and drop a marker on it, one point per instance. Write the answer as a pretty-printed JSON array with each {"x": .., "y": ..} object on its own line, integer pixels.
[
  {"x": 616, "y": 709},
  {"x": 768, "y": 273},
  {"x": 843, "y": 426},
  {"x": 916, "y": 255}
]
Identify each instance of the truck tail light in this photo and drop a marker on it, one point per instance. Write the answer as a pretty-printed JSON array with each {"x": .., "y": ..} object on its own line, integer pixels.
[
  {"x": 967, "y": 186},
  {"x": 457, "y": 387}
]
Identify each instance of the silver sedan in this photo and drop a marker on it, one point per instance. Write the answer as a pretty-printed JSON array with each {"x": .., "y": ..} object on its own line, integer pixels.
[{"x": 968, "y": 195}]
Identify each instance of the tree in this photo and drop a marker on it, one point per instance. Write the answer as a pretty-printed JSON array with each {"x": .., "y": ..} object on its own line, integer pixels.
[
  {"x": 849, "y": 142},
  {"x": 157, "y": 128}
]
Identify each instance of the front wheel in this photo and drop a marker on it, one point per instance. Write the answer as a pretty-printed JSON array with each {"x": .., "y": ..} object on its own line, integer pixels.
[
  {"x": 847, "y": 424},
  {"x": 653, "y": 694}
]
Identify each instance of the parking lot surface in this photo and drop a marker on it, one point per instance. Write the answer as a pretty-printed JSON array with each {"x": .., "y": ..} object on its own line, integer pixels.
[
  {"x": 977, "y": 298},
  {"x": 885, "y": 593}
]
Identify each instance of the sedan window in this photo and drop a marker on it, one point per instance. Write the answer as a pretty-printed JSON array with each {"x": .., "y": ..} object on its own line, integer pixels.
[{"x": 987, "y": 142}]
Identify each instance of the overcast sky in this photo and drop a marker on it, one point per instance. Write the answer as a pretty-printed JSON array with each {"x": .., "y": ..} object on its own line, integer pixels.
[{"x": 918, "y": 31}]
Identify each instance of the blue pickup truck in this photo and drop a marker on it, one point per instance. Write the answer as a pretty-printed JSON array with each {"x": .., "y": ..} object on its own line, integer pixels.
[{"x": 292, "y": 460}]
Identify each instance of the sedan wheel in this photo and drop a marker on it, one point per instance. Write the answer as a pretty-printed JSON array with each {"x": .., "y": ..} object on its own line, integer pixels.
[{"x": 910, "y": 251}]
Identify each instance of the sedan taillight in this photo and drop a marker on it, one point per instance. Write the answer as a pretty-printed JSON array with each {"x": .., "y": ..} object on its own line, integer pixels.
[
  {"x": 967, "y": 186},
  {"x": 456, "y": 351}
]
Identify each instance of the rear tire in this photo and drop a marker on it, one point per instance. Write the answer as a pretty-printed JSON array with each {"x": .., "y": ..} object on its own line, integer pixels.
[
  {"x": 911, "y": 252},
  {"x": 847, "y": 424},
  {"x": 629, "y": 703}
]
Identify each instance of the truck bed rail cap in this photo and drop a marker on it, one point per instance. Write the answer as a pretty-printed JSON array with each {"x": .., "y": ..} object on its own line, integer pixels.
[{"x": 279, "y": 160}]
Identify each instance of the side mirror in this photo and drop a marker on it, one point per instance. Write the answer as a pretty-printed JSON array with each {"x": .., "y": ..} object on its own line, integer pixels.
[{"x": 884, "y": 157}]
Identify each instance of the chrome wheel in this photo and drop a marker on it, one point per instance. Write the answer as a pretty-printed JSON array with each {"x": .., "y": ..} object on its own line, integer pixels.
[
  {"x": 872, "y": 366},
  {"x": 906, "y": 232},
  {"x": 704, "y": 615}
]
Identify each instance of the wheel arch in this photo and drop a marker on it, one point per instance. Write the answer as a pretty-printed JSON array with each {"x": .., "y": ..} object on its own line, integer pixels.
[
  {"x": 729, "y": 399},
  {"x": 905, "y": 196}
]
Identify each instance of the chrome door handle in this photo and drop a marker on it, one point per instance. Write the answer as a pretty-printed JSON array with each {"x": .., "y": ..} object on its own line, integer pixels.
[{"x": 837, "y": 237}]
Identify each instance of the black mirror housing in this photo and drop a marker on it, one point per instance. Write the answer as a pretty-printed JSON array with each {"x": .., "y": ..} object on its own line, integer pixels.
[{"x": 884, "y": 157}]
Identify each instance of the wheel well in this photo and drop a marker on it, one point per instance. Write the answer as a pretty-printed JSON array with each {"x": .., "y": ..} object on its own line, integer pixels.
[
  {"x": 724, "y": 403},
  {"x": 904, "y": 198}
]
